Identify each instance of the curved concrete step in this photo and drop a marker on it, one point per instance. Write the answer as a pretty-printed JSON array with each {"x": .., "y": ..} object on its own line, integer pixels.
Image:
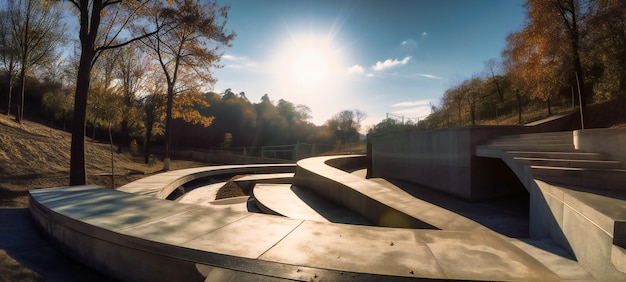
[
  {"x": 378, "y": 203},
  {"x": 174, "y": 241},
  {"x": 293, "y": 202}
]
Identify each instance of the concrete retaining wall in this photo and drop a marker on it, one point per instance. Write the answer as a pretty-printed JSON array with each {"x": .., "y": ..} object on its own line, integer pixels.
[
  {"x": 610, "y": 141},
  {"x": 442, "y": 159}
]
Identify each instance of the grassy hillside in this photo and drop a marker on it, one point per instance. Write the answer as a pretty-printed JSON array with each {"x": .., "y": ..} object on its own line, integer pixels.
[{"x": 36, "y": 156}]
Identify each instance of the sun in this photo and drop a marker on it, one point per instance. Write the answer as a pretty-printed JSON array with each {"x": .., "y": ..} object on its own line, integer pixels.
[
  {"x": 310, "y": 67},
  {"x": 308, "y": 62}
]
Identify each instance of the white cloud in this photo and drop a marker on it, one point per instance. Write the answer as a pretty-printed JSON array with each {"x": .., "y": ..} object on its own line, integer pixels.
[
  {"x": 229, "y": 57},
  {"x": 409, "y": 42},
  {"x": 389, "y": 63},
  {"x": 412, "y": 103},
  {"x": 370, "y": 75},
  {"x": 425, "y": 34},
  {"x": 428, "y": 76},
  {"x": 238, "y": 62},
  {"x": 416, "y": 112},
  {"x": 356, "y": 69}
]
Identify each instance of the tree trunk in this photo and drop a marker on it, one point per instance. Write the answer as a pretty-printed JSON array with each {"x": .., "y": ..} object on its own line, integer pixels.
[
  {"x": 149, "y": 124},
  {"x": 78, "y": 174},
  {"x": 10, "y": 91},
  {"x": 575, "y": 45},
  {"x": 112, "y": 160},
  {"x": 549, "y": 108},
  {"x": 20, "y": 112},
  {"x": 123, "y": 134},
  {"x": 519, "y": 107},
  {"x": 168, "y": 124}
]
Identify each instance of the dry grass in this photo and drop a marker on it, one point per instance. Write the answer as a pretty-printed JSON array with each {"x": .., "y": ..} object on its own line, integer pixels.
[
  {"x": 11, "y": 270},
  {"x": 36, "y": 156},
  {"x": 230, "y": 189}
]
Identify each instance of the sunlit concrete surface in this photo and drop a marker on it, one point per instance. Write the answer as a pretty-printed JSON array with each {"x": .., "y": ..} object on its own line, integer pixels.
[{"x": 134, "y": 236}]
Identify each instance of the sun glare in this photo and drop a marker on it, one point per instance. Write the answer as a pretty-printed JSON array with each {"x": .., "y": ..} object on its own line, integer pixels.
[
  {"x": 310, "y": 67},
  {"x": 308, "y": 63}
]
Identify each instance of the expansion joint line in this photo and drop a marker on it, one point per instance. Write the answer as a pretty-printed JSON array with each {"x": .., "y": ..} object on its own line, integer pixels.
[{"x": 281, "y": 239}]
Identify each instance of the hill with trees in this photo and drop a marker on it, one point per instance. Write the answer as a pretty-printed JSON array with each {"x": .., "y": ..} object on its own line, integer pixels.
[
  {"x": 568, "y": 55},
  {"x": 135, "y": 66}
]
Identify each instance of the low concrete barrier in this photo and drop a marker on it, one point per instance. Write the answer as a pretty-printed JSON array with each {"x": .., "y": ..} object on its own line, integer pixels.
[
  {"x": 163, "y": 184},
  {"x": 610, "y": 141}
]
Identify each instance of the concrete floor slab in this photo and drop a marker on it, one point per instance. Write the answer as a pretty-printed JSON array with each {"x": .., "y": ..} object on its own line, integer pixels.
[
  {"x": 248, "y": 237},
  {"x": 555, "y": 258},
  {"x": 101, "y": 206},
  {"x": 356, "y": 248},
  {"x": 185, "y": 226},
  {"x": 483, "y": 256}
]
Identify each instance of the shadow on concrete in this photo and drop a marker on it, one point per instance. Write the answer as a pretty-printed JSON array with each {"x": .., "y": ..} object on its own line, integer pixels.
[
  {"x": 22, "y": 241},
  {"x": 329, "y": 210},
  {"x": 505, "y": 215}
]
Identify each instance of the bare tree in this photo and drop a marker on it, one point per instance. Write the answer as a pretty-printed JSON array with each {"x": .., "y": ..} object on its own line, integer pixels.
[
  {"x": 491, "y": 66},
  {"x": 35, "y": 31},
  {"x": 8, "y": 51},
  {"x": 130, "y": 72}
]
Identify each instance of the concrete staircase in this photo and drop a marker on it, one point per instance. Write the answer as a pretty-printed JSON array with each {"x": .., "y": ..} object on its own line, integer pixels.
[
  {"x": 552, "y": 157},
  {"x": 570, "y": 191}
]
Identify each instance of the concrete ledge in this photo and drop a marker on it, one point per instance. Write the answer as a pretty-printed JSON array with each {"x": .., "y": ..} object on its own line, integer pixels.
[
  {"x": 610, "y": 141},
  {"x": 163, "y": 184}
]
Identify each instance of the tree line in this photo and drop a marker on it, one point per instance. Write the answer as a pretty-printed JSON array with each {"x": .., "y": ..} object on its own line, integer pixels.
[
  {"x": 569, "y": 52},
  {"x": 130, "y": 68}
]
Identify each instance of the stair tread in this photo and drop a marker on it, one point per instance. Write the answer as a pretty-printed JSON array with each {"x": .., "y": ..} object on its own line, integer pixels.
[
  {"x": 619, "y": 170},
  {"x": 565, "y": 160}
]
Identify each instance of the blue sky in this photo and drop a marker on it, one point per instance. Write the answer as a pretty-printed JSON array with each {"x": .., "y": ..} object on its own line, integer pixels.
[{"x": 376, "y": 56}]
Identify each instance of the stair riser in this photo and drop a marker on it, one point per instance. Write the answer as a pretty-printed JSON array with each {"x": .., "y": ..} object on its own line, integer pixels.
[
  {"x": 571, "y": 163},
  {"x": 537, "y": 141},
  {"x": 544, "y": 147},
  {"x": 557, "y": 155},
  {"x": 603, "y": 180},
  {"x": 565, "y": 134}
]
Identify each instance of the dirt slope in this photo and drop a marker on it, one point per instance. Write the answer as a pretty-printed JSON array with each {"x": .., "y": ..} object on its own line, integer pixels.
[{"x": 36, "y": 156}]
